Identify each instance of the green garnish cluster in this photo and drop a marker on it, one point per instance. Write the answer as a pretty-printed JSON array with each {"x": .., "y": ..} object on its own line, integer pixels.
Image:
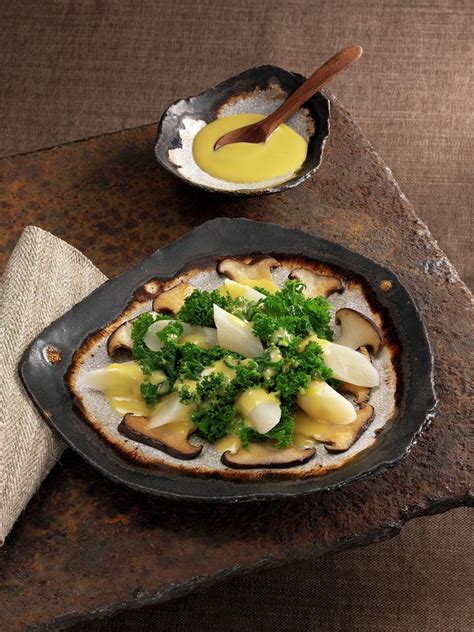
[{"x": 281, "y": 320}]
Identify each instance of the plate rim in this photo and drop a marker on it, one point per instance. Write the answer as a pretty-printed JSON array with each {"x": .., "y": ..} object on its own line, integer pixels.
[{"x": 34, "y": 370}]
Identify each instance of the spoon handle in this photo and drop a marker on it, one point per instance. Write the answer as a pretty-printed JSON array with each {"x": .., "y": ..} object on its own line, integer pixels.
[{"x": 318, "y": 79}]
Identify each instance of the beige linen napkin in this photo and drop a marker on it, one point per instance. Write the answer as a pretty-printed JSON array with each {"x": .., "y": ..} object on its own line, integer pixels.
[{"x": 43, "y": 279}]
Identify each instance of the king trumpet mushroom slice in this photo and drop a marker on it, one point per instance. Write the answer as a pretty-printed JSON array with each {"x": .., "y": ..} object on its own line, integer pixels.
[
  {"x": 171, "y": 438},
  {"x": 337, "y": 438},
  {"x": 323, "y": 402},
  {"x": 361, "y": 393},
  {"x": 261, "y": 409},
  {"x": 266, "y": 455},
  {"x": 120, "y": 338},
  {"x": 348, "y": 435},
  {"x": 357, "y": 330},
  {"x": 169, "y": 410},
  {"x": 236, "y": 290},
  {"x": 235, "y": 334},
  {"x": 172, "y": 300},
  {"x": 346, "y": 364},
  {"x": 258, "y": 273},
  {"x": 317, "y": 284}
]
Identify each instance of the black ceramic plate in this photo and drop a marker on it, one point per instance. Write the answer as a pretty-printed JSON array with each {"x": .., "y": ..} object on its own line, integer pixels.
[
  {"x": 255, "y": 91},
  {"x": 45, "y": 381}
]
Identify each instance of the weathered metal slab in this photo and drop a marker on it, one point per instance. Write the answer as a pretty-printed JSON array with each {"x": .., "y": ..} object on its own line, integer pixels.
[{"x": 86, "y": 546}]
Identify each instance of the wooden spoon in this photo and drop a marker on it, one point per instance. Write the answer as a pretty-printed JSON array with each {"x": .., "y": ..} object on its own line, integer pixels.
[{"x": 259, "y": 132}]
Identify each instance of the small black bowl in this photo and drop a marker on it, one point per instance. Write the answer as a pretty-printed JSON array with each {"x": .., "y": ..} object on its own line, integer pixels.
[{"x": 258, "y": 90}]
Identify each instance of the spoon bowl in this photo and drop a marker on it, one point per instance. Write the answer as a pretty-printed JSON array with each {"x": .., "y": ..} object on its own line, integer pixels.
[{"x": 259, "y": 90}]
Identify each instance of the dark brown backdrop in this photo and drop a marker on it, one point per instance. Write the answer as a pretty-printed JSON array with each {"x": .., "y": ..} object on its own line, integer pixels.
[{"x": 74, "y": 69}]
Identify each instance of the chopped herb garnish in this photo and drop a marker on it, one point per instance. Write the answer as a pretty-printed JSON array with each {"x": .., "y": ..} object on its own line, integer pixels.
[{"x": 281, "y": 320}]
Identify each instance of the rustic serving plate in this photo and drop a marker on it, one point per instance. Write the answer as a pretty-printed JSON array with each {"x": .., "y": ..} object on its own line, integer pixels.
[
  {"x": 259, "y": 90},
  {"x": 46, "y": 363}
]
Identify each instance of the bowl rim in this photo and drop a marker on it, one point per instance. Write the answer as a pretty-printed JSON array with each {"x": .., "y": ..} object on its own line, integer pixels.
[
  {"x": 277, "y": 188},
  {"x": 46, "y": 385}
]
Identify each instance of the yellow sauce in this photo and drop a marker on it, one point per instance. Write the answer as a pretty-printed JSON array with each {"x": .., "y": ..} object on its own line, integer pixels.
[
  {"x": 124, "y": 405},
  {"x": 221, "y": 367},
  {"x": 321, "y": 431},
  {"x": 282, "y": 153},
  {"x": 301, "y": 442},
  {"x": 120, "y": 383},
  {"x": 195, "y": 339}
]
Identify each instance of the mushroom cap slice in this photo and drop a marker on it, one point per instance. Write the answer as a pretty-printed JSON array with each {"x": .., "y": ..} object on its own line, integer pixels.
[
  {"x": 172, "y": 300},
  {"x": 346, "y": 436},
  {"x": 120, "y": 338},
  {"x": 361, "y": 393},
  {"x": 317, "y": 284},
  {"x": 172, "y": 438},
  {"x": 358, "y": 330},
  {"x": 263, "y": 455},
  {"x": 257, "y": 272}
]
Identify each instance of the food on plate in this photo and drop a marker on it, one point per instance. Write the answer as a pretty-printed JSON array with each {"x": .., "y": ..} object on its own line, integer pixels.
[
  {"x": 317, "y": 284},
  {"x": 281, "y": 155},
  {"x": 250, "y": 368},
  {"x": 358, "y": 331}
]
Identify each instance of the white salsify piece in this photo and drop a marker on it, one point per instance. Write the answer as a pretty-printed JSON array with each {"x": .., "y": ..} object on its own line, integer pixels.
[
  {"x": 324, "y": 403},
  {"x": 349, "y": 365},
  {"x": 264, "y": 417},
  {"x": 260, "y": 408},
  {"x": 151, "y": 339},
  {"x": 208, "y": 334},
  {"x": 235, "y": 334},
  {"x": 170, "y": 409},
  {"x": 346, "y": 364}
]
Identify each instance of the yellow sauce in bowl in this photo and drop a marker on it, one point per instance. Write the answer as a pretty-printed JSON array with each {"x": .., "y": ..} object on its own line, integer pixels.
[{"x": 281, "y": 155}]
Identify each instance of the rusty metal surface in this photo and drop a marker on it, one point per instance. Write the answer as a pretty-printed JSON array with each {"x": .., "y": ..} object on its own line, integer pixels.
[{"x": 86, "y": 546}]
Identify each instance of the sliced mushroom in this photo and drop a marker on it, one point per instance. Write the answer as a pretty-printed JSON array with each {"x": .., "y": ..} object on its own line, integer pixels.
[
  {"x": 266, "y": 456},
  {"x": 317, "y": 284},
  {"x": 345, "y": 436},
  {"x": 120, "y": 338},
  {"x": 361, "y": 393},
  {"x": 357, "y": 330},
  {"x": 172, "y": 300},
  {"x": 259, "y": 271},
  {"x": 172, "y": 438}
]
